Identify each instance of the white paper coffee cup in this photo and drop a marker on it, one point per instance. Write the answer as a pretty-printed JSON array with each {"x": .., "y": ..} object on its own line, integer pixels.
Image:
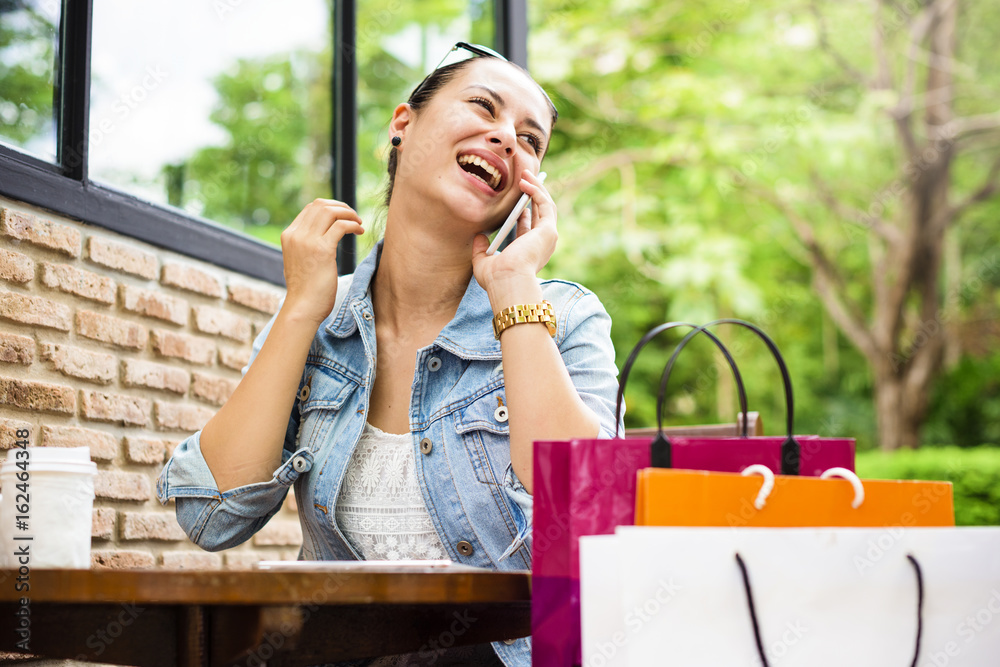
[{"x": 52, "y": 521}]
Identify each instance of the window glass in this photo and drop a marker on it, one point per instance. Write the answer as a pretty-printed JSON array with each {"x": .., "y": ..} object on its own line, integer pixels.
[
  {"x": 29, "y": 34},
  {"x": 398, "y": 43},
  {"x": 219, "y": 108}
]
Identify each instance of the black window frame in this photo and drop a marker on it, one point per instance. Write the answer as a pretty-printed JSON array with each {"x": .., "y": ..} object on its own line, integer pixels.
[{"x": 65, "y": 188}]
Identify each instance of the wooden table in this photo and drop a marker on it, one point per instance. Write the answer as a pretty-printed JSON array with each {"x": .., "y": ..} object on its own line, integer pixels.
[{"x": 160, "y": 618}]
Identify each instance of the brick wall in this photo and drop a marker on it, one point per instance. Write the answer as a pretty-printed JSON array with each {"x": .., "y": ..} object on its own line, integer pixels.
[{"x": 113, "y": 344}]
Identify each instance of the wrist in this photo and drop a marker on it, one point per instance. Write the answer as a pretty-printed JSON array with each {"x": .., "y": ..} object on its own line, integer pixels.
[
  {"x": 300, "y": 317},
  {"x": 513, "y": 289},
  {"x": 540, "y": 313}
]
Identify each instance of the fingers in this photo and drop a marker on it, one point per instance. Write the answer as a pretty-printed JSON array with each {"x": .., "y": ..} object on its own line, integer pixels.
[
  {"x": 340, "y": 228},
  {"x": 310, "y": 243},
  {"x": 320, "y": 214},
  {"x": 321, "y": 217},
  {"x": 542, "y": 206},
  {"x": 524, "y": 221},
  {"x": 480, "y": 244}
]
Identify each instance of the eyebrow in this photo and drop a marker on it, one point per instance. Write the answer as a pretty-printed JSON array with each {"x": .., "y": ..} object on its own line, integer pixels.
[{"x": 499, "y": 100}]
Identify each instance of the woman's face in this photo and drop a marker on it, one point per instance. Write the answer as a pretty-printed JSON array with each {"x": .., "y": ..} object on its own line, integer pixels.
[{"x": 468, "y": 147}]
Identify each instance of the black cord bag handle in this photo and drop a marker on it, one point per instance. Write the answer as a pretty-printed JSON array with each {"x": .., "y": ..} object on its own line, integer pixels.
[
  {"x": 660, "y": 443},
  {"x": 756, "y": 623},
  {"x": 791, "y": 451}
]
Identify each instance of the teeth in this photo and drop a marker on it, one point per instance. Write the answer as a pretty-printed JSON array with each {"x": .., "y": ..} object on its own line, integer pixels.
[{"x": 480, "y": 162}]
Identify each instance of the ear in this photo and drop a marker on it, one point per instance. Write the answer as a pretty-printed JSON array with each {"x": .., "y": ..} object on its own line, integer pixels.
[{"x": 401, "y": 118}]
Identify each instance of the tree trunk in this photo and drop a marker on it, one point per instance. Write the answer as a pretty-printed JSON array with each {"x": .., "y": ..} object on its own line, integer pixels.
[
  {"x": 902, "y": 386},
  {"x": 897, "y": 410}
]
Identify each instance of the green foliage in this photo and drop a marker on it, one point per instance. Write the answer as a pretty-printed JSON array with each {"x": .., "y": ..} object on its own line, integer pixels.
[
  {"x": 965, "y": 407},
  {"x": 974, "y": 472},
  {"x": 678, "y": 123},
  {"x": 259, "y": 177},
  {"x": 27, "y": 65}
]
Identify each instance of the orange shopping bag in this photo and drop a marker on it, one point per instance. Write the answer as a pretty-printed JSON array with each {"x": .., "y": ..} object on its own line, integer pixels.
[{"x": 758, "y": 498}]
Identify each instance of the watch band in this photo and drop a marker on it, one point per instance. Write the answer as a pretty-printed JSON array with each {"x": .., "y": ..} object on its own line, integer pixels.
[{"x": 520, "y": 314}]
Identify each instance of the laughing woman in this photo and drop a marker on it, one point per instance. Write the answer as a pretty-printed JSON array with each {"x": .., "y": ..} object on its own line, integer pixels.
[{"x": 402, "y": 401}]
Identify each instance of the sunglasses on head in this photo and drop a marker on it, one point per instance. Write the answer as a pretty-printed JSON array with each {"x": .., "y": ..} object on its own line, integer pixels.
[{"x": 456, "y": 55}]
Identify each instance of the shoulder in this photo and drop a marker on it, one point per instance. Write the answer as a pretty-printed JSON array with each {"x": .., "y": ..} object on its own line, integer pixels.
[{"x": 565, "y": 294}]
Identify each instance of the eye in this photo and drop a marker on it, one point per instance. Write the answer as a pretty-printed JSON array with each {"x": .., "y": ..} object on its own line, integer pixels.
[
  {"x": 485, "y": 103},
  {"x": 534, "y": 140}
]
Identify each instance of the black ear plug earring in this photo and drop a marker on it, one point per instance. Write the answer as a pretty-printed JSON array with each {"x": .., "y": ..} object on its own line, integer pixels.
[{"x": 396, "y": 141}]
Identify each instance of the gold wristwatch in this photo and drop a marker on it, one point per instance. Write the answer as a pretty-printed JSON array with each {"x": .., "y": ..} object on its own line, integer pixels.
[{"x": 532, "y": 312}]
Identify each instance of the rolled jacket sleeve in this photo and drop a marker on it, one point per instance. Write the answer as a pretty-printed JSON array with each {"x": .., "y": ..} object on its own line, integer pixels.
[{"x": 217, "y": 520}]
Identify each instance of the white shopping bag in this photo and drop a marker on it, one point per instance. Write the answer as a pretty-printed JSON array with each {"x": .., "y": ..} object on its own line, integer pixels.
[
  {"x": 821, "y": 597},
  {"x": 604, "y": 639}
]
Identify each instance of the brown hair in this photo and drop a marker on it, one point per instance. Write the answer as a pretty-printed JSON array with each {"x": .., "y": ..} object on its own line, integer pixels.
[{"x": 429, "y": 87}]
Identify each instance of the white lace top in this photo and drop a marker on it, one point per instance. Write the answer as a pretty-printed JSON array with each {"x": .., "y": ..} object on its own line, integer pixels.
[{"x": 380, "y": 508}]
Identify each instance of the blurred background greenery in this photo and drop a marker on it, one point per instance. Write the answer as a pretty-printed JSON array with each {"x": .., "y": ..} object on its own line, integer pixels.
[{"x": 825, "y": 169}]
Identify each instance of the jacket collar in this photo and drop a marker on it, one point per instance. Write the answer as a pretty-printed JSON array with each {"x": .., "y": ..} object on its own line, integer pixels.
[
  {"x": 341, "y": 322},
  {"x": 469, "y": 335}
]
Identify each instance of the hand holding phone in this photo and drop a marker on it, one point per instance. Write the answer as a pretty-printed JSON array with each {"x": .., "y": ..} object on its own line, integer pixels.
[{"x": 511, "y": 220}]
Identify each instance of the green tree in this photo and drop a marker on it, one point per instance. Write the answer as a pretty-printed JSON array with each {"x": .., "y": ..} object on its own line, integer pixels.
[
  {"x": 260, "y": 176},
  {"x": 735, "y": 121},
  {"x": 27, "y": 66},
  {"x": 899, "y": 325}
]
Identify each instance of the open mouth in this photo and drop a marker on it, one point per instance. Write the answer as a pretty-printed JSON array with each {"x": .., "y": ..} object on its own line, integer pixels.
[{"x": 481, "y": 169}]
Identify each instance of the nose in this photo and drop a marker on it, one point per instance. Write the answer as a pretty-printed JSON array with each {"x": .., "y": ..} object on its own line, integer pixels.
[
  {"x": 496, "y": 140},
  {"x": 505, "y": 138}
]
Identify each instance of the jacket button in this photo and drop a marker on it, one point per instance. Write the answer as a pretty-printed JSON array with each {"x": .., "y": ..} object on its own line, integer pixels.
[
  {"x": 500, "y": 414},
  {"x": 367, "y": 316},
  {"x": 300, "y": 464},
  {"x": 434, "y": 364},
  {"x": 508, "y": 642},
  {"x": 426, "y": 446},
  {"x": 464, "y": 548},
  {"x": 304, "y": 393}
]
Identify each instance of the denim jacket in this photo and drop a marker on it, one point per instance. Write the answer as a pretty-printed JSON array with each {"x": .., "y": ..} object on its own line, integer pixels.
[{"x": 461, "y": 444}]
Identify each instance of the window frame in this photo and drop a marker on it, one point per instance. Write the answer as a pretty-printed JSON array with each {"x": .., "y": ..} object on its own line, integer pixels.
[{"x": 65, "y": 188}]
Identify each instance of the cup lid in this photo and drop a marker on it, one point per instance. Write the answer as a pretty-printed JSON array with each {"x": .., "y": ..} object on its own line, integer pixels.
[{"x": 70, "y": 459}]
